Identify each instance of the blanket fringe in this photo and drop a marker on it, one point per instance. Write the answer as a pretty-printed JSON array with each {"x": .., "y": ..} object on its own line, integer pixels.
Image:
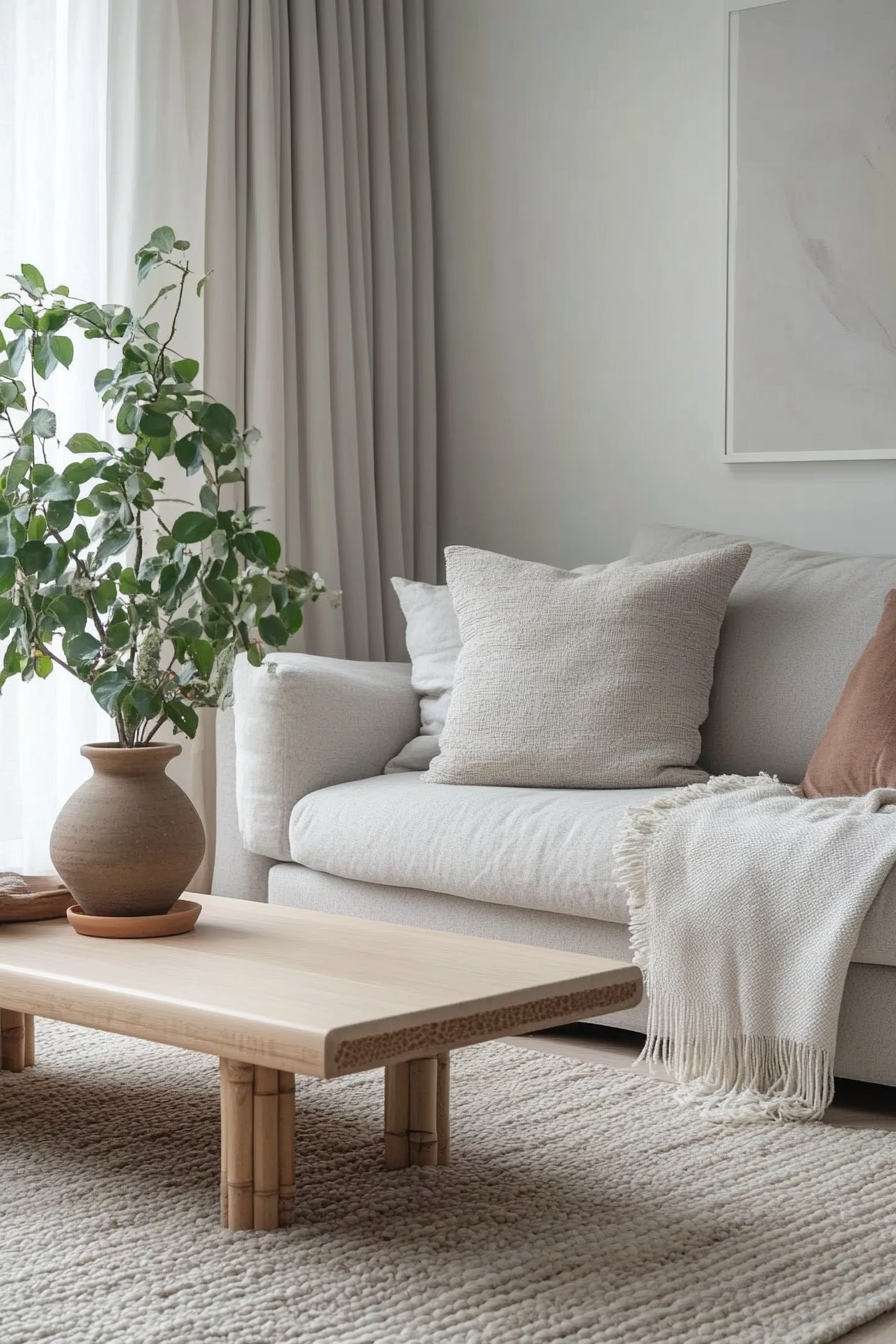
[{"x": 731, "y": 1076}]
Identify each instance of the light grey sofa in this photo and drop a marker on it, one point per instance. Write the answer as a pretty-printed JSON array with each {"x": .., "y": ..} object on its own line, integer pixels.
[{"x": 320, "y": 827}]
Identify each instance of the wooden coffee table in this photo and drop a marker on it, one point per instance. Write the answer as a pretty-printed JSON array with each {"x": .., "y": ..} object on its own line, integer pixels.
[{"x": 274, "y": 992}]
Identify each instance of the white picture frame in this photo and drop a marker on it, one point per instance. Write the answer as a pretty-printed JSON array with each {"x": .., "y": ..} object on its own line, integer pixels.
[{"x": 796, "y": 405}]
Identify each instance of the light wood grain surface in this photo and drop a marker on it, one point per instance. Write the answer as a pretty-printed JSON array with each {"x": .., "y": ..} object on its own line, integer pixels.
[{"x": 302, "y": 991}]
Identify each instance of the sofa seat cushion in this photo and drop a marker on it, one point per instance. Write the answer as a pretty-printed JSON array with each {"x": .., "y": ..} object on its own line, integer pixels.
[
  {"x": 543, "y": 849},
  {"x": 548, "y": 849}
]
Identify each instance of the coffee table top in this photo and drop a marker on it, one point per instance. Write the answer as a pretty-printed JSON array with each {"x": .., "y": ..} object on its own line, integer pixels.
[{"x": 303, "y": 991}]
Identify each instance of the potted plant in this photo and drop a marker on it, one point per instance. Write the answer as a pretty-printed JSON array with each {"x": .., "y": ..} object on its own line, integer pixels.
[{"x": 108, "y": 576}]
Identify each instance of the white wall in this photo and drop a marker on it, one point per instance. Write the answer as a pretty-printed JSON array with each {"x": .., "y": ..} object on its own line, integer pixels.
[{"x": 579, "y": 159}]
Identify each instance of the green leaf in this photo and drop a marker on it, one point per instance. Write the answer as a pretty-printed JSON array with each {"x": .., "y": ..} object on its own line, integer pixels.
[
  {"x": 60, "y": 513},
  {"x": 218, "y": 422},
  {"x": 37, "y": 527},
  {"x": 146, "y": 702},
  {"x": 209, "y": 501},
  {"x": 255, "y": 655},
  {"x": 113, "y": 543},
  {"x": 186, "y": 369},
  {"x": 82, "y": 648},
  {"x": 166, "y": 543},
  {"x": 128, "y": 419},
  {"x": 18, "y": 468},
  {"x": 183, "y": 628},
  {"x": 79, "y": 472},
  {"x": 43, "y": 666},
  {"x": 87, "y": 509},
  {"x": 79, "y": 538},
  {"x": 104, "y": 595},
  {"x": 191, "y": 527},
  {"x": 188, "y": 452},
  {"x": 16, "y": 352},
  {"x": 162, "y": 239},
  {"x": 41, "y": 425},
  {"x": 127, "y": 582},
  {"x": 62, "y": 289},
  {"x": 273, "y": 631},
  {"x": 56, "y": 487},
  {"x": 261, "y": 591},
  {"x": 109, "y": 687},
  {"x": 155, "y": 426},
  {"x": 32, "y": 274},
  {"x": 184, "y": 717},
  {"x": 220, "y": 590},
  {"x": 56, "y": 566},
  {"x": 201, "y": 285},
  {"x": 118, "y": 634},
  {"x": 84, "y": 443},
  {"x": 182, "y": 245},
  {"x": 203, "y": 655},
  {"x": 34, "y": 555},
  {"x": 271, "y": 547},
  {"x": 71, "y": 613},
  {"x": 248, "y": 544},
  {"x": 146, "y": 261},
  {"x": 231, "y": 477},
  {"x": 43, "y": 358},
  {"x": 63, "y": 349},
  {"x": 103, "y": 379},
  {"x": 7, "y": 572},
  {"x": 7, "y": 609},
  {"x": 53, "y": 321}
]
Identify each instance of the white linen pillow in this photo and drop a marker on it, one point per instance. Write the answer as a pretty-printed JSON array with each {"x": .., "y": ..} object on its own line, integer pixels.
[
  {"x": 582, "y": 681},
  {"x": 432, "y": 637}
]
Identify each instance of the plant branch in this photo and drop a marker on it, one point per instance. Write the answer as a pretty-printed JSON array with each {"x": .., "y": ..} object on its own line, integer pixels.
[{"x": 159, "y": 364}]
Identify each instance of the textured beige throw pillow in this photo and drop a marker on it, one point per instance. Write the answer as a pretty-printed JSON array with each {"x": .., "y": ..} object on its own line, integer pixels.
[{"x": 582, "y": 681}]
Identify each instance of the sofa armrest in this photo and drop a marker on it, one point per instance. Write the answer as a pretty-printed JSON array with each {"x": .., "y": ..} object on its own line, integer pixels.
[
  {"x": 238, "y": 873},
  {"x": 303, "y": 723}
]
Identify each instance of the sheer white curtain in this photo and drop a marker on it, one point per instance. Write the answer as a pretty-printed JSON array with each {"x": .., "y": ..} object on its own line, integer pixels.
[
  {"x": 115, "y": 145},
  {"x": 54, "y": 215}
]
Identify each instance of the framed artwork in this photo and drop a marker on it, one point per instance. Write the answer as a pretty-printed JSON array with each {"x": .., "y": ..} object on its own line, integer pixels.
[{"x": 811, "y": 348}]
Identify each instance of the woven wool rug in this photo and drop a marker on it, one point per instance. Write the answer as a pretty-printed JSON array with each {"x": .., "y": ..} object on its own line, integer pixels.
[{"x": 582, "y": 1204}]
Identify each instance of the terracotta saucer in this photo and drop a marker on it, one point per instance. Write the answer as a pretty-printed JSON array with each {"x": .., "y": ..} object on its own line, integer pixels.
[{"x": 179, "y": 919}]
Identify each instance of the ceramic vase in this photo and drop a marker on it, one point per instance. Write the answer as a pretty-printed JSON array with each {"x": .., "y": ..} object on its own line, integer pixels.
[{"x": 128, "y": 840}]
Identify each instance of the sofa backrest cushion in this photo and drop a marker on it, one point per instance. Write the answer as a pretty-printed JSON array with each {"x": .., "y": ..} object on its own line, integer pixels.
[{"x": 797, "y": 621}]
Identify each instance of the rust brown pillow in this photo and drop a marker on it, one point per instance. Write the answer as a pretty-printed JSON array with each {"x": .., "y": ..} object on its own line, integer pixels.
[{"x": 858, "y": 750}]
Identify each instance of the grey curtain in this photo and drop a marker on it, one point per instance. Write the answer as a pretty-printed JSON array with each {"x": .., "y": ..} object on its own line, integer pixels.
[{"x": 319, "y": 324}]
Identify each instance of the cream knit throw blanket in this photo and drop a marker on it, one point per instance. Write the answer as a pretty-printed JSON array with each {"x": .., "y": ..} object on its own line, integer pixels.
[{"x": 745, "y": 904}]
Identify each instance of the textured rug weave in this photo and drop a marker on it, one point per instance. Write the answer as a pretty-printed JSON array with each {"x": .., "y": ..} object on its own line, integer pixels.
[{"x": 582, "y": 1204}]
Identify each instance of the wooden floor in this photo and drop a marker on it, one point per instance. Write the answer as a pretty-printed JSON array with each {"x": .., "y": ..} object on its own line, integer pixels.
[{"x": 856, "y": 1104}]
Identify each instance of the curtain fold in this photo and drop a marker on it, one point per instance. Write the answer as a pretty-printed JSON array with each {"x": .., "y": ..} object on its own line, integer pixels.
[{"x": 319, "y": 205}]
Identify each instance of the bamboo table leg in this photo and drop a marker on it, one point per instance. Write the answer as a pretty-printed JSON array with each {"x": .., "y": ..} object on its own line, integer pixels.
[
  {"x": 257, "y": 1147},
  {"x": 443, "y": 1109},
  {"x": 287, "y": 1128},
  {"x": 16, "y": 1040},
  {"x": 417, "y": 1124}
]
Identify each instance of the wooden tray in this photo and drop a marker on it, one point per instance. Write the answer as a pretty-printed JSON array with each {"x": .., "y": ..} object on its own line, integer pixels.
[{"x": 38, "y": 898}]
